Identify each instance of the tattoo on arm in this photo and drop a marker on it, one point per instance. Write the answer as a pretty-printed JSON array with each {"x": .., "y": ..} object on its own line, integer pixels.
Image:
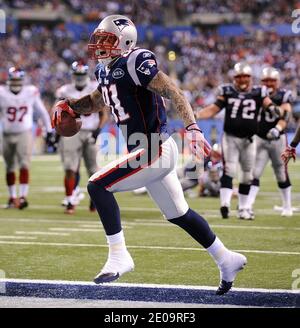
[
  {"x": 91, "y": 103},
  {"x": 165, "y": 87}
]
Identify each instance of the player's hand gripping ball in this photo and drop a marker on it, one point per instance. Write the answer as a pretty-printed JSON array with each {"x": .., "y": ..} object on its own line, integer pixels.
[{"x": 64, "y": 120}]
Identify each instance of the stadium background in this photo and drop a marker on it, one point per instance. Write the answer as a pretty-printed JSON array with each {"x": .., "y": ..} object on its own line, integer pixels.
[{"x": 196, "y": 42}]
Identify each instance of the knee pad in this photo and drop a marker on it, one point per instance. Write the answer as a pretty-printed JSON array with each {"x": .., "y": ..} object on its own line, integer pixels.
[
  {"x": 226, "y": 181},
  {"x": 285, "y": 184}
]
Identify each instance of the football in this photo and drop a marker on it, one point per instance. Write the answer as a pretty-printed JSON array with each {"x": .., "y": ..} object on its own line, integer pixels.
[{"x": 69, "y": 125}]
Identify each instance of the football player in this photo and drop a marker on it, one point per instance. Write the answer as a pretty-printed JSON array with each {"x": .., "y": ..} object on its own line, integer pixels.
[
  {"x": 18, "y": 102},
  {"x": 83, "y": 144},
  {"x": 290, "y": 151},
  {"x": 242, "y": 103},
  {"x": 271, "y": 141},
  {"x": 131, "y": 84}
]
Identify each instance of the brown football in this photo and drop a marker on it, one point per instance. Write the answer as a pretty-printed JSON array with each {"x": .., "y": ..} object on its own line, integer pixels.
[{"x": 68, "y": 126}]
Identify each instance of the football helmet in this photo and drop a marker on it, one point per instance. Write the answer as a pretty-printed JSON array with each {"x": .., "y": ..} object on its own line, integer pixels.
[
  {"x": 242, "y": 75},
  {"x": 115, "y": 35},
  {"x": 80, "y": 74},
  {"x": 15, "y": 80},
  {"x": 270, "y": 77}
]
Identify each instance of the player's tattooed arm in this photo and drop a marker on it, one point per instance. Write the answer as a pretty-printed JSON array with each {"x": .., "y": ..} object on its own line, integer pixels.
[
  {"x": 91, "y": 103},
  {"x": 165, "y": 87}
]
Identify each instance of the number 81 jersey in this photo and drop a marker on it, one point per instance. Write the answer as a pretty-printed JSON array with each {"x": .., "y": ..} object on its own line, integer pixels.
[
  {"x": 241, "y": 109},
  {"x": 16, "y": 110},
  {"x": 124, "y": 89}
]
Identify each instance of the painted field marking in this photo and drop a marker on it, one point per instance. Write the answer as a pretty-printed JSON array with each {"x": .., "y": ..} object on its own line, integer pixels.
[
  {"x": 153, "y": 293},
  {"x": 159, "y": 222},
  {"x": 42, "y": 233},
  {"x": 16, "y": 237},
  {"x": 122, "y": 284},
  {"x": 145, "y": 247}
]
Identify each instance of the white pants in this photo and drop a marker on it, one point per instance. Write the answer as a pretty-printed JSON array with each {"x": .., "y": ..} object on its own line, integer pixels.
[
  {"x": 158, "y": 176},
  {"x": 238, "y": 150}
]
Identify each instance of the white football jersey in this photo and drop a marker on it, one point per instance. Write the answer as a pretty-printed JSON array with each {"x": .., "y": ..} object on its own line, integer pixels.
[
  {"x": 89, "y": 121},
  {"x": 17, "y": 109}
]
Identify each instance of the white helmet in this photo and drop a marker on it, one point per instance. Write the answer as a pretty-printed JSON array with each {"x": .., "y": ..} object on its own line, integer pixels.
[
  {"x": 242, "y": 69},
  {"x": 115, "y": 35},
  {"x": 270, "y": 73}
]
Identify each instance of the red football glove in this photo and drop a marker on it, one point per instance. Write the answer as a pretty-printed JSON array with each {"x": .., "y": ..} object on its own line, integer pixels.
[
  {"x": 290, "y": 152},
  {"x": 199, "y": 146},
  {"x": 61, "y": 106}
]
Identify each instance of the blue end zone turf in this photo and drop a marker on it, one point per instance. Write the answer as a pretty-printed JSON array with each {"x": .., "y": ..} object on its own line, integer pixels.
[{"x": 127, "y": 292}]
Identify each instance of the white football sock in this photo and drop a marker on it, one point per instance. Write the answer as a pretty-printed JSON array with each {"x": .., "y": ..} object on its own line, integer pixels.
[
  {"x": 252, "y": 196},
  {"x": 225, "y": 196},
  {"x": 242, "y": 201},
  {"x": 116, "y": 242},
  {"x": 23, "y": 189},
  {"x": 218, "y": 251},
  {"x": 286, "y": 197},
  {"x": 12, "y": 190}
]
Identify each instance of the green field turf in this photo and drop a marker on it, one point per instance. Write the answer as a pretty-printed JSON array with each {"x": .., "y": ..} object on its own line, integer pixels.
[{"x": 76, "y": 248}]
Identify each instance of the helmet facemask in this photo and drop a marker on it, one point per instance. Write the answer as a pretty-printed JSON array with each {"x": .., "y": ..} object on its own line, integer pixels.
[
  {"x": 15, "y": 85},
  {"x": 271, "y": 84},
  {"x": 103, "y": 46},
  {"x": 242, "y": 82}
]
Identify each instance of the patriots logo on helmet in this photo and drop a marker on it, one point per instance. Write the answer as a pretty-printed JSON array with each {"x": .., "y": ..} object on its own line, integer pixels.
[
  {"x": 146, "y": 65},
  {"x": 121, "y": 23}
]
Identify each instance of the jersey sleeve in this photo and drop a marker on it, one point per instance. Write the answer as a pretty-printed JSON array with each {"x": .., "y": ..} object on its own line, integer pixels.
[
  {"x": 42, "y": 112},
  {"x": 287, "y": 97},
  {"x": 219, "y": 94},
  {"x": 264, "y": 92},
  {"x": 59, "y": 95},
  {"x": 142, "y": 67}
]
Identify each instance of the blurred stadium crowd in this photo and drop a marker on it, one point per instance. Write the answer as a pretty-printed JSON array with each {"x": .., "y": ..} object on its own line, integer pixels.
[{"x": 199, "y": 61}]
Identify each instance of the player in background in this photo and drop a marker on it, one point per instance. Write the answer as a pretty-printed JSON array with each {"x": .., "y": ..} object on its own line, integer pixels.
[
  {"x": 131, "y": 84},
  {"x": 83, "y": 144},
  {"x": 18, "y": 102},
  {"x": 242, "y": 102},
  {"x": 271, "y": 141},
  {"x": 290, "y": 151}
]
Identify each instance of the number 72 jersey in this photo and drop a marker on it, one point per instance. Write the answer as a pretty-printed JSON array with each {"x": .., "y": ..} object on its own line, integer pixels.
[
  {"x": 241, "y": 109},
  {"x": 16, "y": 110}
]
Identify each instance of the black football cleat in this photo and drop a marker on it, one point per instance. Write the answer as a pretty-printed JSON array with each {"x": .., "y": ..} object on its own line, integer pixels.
[
  {"x": 224, "y": 287},
  {"x": 70, "y": 209},
  {"x": 12, "y": 203},
  {"x": 23, "y": 203},
  {"x": 224, "y": 212},
  {"x": 106, "y": 277}
]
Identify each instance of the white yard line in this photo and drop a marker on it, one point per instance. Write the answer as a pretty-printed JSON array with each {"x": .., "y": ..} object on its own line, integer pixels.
[
  {"x": 42, "y": 233},
  {"x": 17, "y": 237},
  {"x": 145, "y": 247},
  {"x": 76, "y": 229},
  {"x": 151, "y": 222}
]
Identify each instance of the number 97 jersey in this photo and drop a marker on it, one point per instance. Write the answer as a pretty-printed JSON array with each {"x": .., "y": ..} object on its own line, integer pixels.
[
  {"x": 241, "y": 109},
  {"x": 16, "y": 110}
]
